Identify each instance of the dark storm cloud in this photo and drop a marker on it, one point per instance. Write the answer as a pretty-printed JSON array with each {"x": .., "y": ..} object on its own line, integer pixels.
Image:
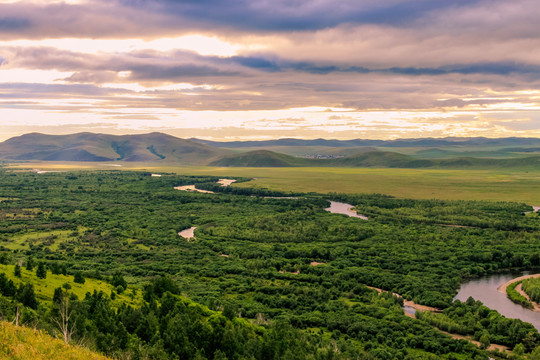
[
  {"x": 167, "y": 72},
  {"x": 299, "y": 15},
  {"x": 101, "y": 18},
  {"x": 493, "y": 68},
  {"x": 13, "y": 24}
]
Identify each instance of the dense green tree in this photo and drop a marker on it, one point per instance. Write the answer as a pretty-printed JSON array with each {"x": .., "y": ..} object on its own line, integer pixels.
[
  {"x": 17, "y": 271},
  {"x": 30, "y": 264},
  {"x": 118, "y": 280},
  {"x": 27, "y": 296},
  {"x": 58, "y": 296},
  {"x": 79, "y": 278},
  {"x": 41, "y": 271}
]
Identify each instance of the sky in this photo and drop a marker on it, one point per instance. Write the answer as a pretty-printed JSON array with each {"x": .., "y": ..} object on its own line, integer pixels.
[{"x": 265, "y": 69}]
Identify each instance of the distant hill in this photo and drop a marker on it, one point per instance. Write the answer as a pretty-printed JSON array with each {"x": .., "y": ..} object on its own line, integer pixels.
[
  {"x": 19, "y": 342},
  {"x": 422, "y": 142},
  {"x": 380, "y": 159},
  {"x": 159, "y": 147},
  {"x": 262, "y": 158},
  {"x": 102, "y": 147}
]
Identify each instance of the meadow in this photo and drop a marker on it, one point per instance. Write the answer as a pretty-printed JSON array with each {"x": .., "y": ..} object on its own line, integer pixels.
[{"x": 520, "y": 185}]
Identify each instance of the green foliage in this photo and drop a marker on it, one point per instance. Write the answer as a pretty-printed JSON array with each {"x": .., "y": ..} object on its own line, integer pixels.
[
  {"x": 79, "y": 278},
  {"x": 30, "y": 264},
  {"x": 531, "y": 287},
  {"x": 118, "y": 280},
  {"x": 269, "y": 261},
  {"x": 516, "y": 297},
  {"x": 26, "y": 296},
  {"x": 475, "y": 319},
  {"x": 41, "y": 271},
  {"x": 17, "y": 271}
]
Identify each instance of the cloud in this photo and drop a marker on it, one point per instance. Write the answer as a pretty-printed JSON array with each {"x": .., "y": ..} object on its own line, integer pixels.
[
  {"x": 11, "y": 24},
  {"x": 431, "y": 57},
  {"x": 301, "y": 15}
]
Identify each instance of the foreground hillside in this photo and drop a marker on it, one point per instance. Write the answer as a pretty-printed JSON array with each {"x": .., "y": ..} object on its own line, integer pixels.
[{"x": 23, "y": 343}]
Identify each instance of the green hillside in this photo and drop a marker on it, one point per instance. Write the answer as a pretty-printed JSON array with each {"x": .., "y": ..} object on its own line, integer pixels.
[
  {"x": 371, "y": 159},
  {"x": 264, "y": 158},
  {"x": 159, "y": 148},
  {"x": 101, "y": 147},
  {"x": 44, "y": 288}
]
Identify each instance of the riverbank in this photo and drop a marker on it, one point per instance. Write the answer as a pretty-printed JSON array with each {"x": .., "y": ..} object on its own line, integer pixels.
[
  {"x": 503, "y": 287},
  {"x": 409, "y": 303},
  {"x": 418, "y": 307}
]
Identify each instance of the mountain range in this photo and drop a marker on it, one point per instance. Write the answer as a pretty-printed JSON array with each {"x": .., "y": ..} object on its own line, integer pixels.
[
  {"x": 101, "y": 147},
  {"x": 163, "y": 148}
]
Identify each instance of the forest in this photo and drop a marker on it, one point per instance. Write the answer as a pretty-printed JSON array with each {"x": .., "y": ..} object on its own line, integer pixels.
[{"x": 269, "y": 275}]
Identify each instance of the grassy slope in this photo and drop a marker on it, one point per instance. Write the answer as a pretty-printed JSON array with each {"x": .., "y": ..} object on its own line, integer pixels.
[
  {"x": 262, "y": 158},
  {"x": 101, "y": 147},
  {"x": 22, "y": 343},
  {"x": 44, "y": 288},
  {"x": 376, "y": 159}
]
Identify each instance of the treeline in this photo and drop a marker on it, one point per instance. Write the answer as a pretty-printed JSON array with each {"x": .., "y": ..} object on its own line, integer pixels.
[
  {"x": 531, "y": 287},
  {"x": 516, "y": 297},
  {"x": 482, "y": 323}
]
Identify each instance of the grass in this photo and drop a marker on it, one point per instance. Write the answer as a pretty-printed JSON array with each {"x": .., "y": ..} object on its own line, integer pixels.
[
  {"x": 516, "y": 297},
  {"x": 44, "y": 288},
  {"x": 521, "y": 185},
  {"x": 22, "y": 343},
  {"x": 51, "y": 239}
]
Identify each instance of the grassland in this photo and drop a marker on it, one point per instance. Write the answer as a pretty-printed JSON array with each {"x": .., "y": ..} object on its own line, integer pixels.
[
  {"x": 22, "y": 343},
  {"x": 45, "y": 288},
  {"x": 50, "y": 239},
  {"x": 521, "y": 185}
]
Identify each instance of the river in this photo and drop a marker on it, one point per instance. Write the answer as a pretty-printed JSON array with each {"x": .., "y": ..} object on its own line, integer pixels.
[
  {"x": 345, "y": 209},
  {"x": 485, "y": 290}
]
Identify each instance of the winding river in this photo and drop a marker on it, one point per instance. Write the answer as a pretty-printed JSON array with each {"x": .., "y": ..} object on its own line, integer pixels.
[{"x": 485, "y": 290}]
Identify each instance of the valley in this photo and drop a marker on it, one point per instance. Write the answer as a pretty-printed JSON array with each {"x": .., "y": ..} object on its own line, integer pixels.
[{"x": 251, "y": 264}]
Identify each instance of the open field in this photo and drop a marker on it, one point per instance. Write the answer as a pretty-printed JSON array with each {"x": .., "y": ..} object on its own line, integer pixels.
[
  {"x": 45, "y": 289},
  {"x": 497, "y": 185}
]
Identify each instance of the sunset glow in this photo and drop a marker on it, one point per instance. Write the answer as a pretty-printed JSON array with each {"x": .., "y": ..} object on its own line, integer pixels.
[{"x": 259, "y": 70}]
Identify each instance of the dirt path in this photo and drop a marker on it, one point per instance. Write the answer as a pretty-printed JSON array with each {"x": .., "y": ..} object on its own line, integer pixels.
[
  {"x": 409, "y": 303},
  {"x": 491, "y": 347}
]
